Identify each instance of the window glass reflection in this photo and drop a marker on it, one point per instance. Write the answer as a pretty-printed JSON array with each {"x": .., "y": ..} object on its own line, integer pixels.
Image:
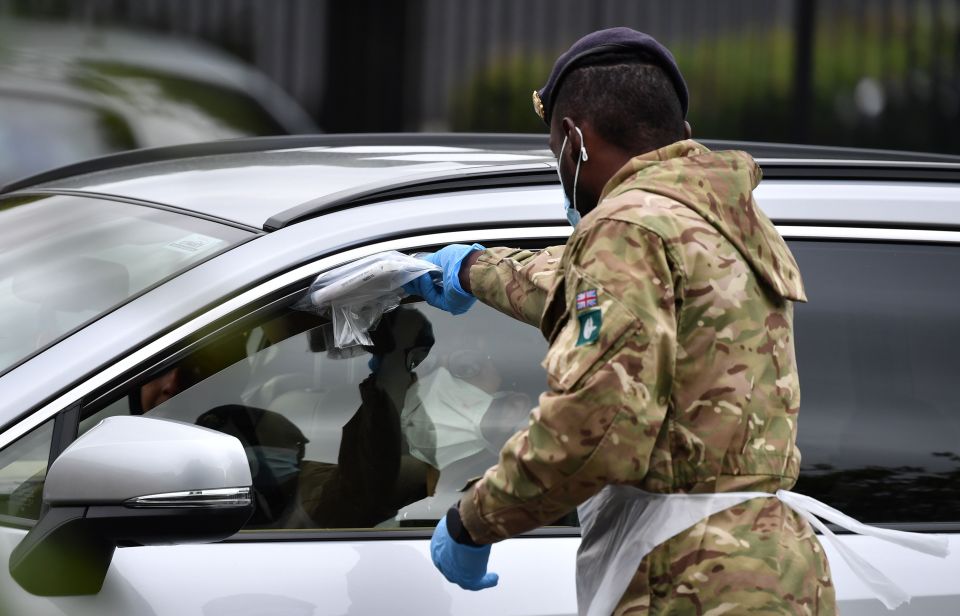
[
  {"x": 879, "y": 425},
  {"x": 23, "y": 468}
]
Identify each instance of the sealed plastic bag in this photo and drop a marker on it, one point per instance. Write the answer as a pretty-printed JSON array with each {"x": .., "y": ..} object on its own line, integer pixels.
[{"x": 357, "y": 294}]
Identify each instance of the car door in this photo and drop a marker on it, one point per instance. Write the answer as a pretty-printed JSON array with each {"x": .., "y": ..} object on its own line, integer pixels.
[
  {"x": 879, "y": 428},
  {"x": 269, "y": 375},
  {"x": 355, "y": 454}
]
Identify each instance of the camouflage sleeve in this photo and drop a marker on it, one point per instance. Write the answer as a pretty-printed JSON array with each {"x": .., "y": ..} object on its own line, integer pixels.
[
  {"x": 610, "y": 370},
  {"x": 516, "y": 282}
]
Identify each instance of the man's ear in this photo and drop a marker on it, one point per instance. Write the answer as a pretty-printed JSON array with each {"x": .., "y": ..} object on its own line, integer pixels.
[
  {"x": 687, "y": 131},
  {"x": 569, "y": 129}
]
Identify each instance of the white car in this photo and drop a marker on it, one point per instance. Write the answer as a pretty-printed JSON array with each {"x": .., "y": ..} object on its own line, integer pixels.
[{"x": 146, "y": 294}]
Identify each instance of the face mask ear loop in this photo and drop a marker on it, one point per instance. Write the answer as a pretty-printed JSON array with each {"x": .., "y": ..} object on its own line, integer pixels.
[
  {"x": 559, "y": 158},
  {"x": 583, "y": 156},
  {"x": 583, "y": 145}
]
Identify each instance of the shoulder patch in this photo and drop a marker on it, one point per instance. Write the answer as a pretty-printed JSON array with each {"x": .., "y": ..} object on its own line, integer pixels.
[
  {"x": 590, "y": 323},
  {"x": 586, "y": 299}
]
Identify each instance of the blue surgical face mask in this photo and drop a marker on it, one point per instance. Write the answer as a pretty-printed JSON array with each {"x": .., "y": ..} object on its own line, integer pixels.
[
  {"x": 570, "y": 210},
  {"x": 282, "y": 462},
  {"x": 573, "y": 216}
]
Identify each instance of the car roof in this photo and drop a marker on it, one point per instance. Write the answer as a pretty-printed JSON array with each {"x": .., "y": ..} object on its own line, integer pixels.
[
  {"x": 250, "y": 181},
  {"x": 271, "y": 182}
]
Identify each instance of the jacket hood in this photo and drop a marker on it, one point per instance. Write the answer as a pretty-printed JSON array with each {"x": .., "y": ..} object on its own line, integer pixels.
[{"x": 719, "y": 187}]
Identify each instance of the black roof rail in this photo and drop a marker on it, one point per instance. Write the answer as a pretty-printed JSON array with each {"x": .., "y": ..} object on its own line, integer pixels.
[
  {"x": 473, "y": 178},
  {"x": 867, "y": 170},
  {"x": 532, "y": 174},
  {"x": 767, "y": 149},
  {"x": 503, "y": 141}
]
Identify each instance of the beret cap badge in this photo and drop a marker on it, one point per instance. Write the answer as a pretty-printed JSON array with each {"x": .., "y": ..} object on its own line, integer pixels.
[{"x": 538, "y": 104}]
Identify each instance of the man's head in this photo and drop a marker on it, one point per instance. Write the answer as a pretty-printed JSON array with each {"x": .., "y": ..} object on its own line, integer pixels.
[
  {"x": 401, "y": 340},
  {"x": 192, "y": 369},
  {"x": 629, "y": 102},
  {"x": 618, "y": 93}
]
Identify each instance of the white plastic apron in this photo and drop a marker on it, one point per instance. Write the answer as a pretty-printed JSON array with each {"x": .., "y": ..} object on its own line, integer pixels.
[{"x": 622, "y": 524}]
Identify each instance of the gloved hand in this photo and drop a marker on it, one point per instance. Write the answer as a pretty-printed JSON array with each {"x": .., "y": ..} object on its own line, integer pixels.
[
  {"x": 464, "y": 565},
  {"x": 450, "y": 297}
]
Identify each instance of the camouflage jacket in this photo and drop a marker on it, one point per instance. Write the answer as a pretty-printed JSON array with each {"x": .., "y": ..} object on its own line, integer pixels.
[{"x": 671, "y": 363}]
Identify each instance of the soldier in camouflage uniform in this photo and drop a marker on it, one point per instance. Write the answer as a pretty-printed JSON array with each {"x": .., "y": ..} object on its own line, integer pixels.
[{"x": 671, "y": 364}]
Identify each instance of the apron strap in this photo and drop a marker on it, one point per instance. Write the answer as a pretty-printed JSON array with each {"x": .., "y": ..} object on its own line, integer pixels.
[
  {"x": 622, "y": 524},
  {"x": 883, "y": 587}
]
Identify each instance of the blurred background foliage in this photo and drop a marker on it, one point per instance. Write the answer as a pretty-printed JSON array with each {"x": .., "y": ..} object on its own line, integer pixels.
[
  {"x": 868, "y": 73},
  {"x": 878, "y": 74}
]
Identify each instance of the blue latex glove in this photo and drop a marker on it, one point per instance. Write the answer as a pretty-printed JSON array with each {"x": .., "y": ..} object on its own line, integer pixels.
[
  {"x": 450, "y": 296},
  {"x": 464, "y": 565}
]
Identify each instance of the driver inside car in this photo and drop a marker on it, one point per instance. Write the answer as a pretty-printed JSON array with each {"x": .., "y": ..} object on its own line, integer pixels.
[
  {"x": 455, "y": 419},
  {"x": 372, "y": 477}
]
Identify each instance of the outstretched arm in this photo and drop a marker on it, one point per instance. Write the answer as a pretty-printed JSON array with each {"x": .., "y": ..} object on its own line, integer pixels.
[{"x": 515, "y": 282}]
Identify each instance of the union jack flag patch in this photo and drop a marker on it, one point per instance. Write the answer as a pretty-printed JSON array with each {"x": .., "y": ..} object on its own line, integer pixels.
[{"x": 587, "y": 299}]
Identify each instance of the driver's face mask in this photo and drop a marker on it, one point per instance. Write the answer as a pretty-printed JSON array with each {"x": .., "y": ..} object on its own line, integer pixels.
[
  {"x": 573, "y": 215},
  {"x": 282, "y": 462},
  {"x": 441, "y": 419}
]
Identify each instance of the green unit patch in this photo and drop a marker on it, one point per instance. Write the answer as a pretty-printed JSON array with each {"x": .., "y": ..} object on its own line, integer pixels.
[{"x": 589, "y": 327}]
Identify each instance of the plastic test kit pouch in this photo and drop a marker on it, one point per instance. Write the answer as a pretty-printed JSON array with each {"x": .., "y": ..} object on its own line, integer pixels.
[{"x": 357, "y": 294}]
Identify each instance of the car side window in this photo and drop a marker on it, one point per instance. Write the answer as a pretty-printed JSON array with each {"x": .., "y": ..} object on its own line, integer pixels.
[
  {"x": 879, "y": 425},
  {"x": 23, "y": 467},
  {"x": 378, "y": 436}
]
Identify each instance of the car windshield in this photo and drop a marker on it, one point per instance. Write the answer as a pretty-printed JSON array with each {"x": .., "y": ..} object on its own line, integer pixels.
[{"x": 65, "y": 260}]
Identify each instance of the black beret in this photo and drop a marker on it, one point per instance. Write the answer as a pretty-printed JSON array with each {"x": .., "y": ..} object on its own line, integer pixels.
[{"x": 617, "y": 42}]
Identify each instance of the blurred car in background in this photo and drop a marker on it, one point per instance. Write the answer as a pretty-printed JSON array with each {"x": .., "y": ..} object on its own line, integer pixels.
[
  {"x": 163, "y": 285},
  {"x": 70, "y": 92}
]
